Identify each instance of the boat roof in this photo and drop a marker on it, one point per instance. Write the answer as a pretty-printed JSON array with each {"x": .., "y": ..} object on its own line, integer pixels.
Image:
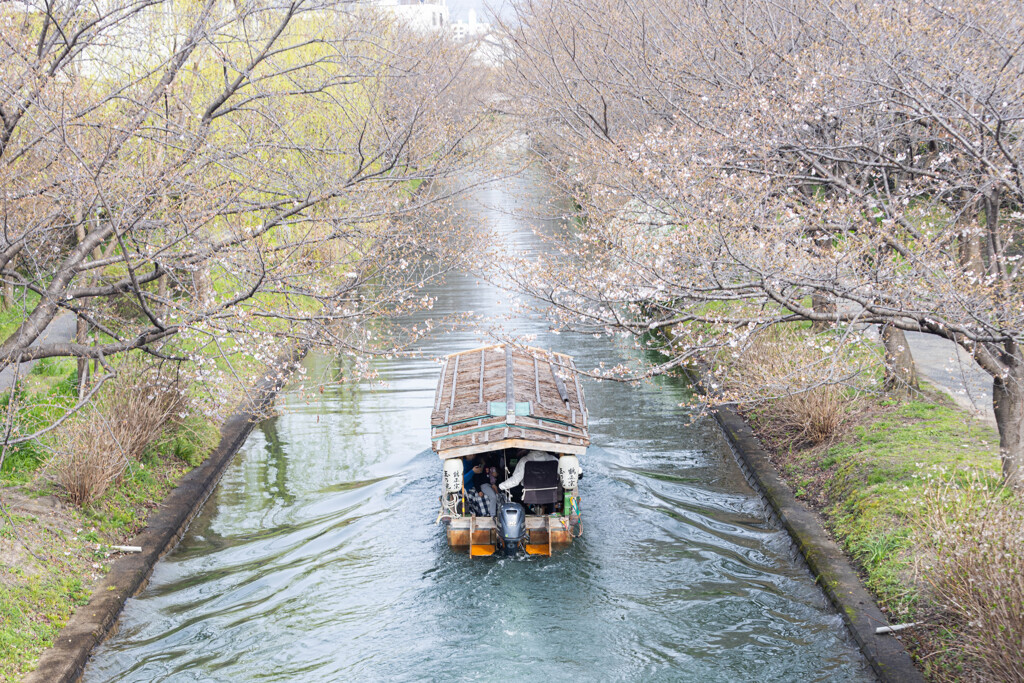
[{"x": 504, "y": 396}]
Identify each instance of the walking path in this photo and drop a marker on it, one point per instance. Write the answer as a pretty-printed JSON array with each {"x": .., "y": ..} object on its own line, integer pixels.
[
  {"x": 951, "y": 369},
  {"x": 60, "y": 329}
]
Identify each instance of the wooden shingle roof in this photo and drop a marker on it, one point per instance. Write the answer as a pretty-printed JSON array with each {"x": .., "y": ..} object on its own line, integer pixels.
[{"x": 508, "y": 397}]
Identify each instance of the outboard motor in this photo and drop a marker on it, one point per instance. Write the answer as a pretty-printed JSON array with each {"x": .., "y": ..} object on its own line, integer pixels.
[{"x": 511, "y": 527}]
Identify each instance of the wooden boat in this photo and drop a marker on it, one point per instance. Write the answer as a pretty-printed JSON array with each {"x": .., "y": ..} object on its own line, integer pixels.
[{"x": 514, "y": 411}]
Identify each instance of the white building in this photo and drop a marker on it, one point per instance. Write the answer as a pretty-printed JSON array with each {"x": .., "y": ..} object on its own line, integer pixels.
[
  {"x": 462, "y": 30},
  {"x": 428, "y": 15}
]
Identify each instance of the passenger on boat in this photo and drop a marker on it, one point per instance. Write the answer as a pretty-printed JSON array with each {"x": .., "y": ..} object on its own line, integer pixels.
[
  {"x": 479, "y": 485},
  {"x": 517, "y": 476},
  {"x": 470, "y": 469}
]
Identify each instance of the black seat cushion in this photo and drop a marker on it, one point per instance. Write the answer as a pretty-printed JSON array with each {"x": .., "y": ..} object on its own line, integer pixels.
[{"x": 540, "y": 483}]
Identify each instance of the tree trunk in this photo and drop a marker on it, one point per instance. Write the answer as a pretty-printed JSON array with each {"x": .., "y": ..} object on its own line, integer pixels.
[
  {"x": 822, "y": 303},
  {"x": 1008, "y": 404},
  {"x": 971, "y": 254},
  {"x": 81, "y": 327},
  {"x": 82, "y": 337},
  {"x": 161, "y": 292},
  {"x": 203, "y": 287},
  {"x": 7, "y": 300},
  {"x": 900, "y": 370}
]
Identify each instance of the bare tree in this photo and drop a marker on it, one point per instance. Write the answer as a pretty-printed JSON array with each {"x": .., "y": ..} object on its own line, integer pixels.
[
  {"x": 226, "y": 175},
  {"x": 742, "y": 165}
]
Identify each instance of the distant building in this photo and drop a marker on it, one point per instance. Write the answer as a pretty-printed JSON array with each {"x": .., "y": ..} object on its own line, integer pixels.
[
  {"x": 427, "y": 15},
  {"x": 462, "y": 30}
]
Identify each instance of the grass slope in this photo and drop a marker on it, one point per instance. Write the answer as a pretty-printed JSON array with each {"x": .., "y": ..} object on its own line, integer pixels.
[{"x": 868, "y": 484}]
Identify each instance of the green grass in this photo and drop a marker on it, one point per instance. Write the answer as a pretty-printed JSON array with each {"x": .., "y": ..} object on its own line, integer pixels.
[
  {"x": 33, "y": 609},
  {"x": 873, "y": 476},
  {"x": 12, "y": 317},
  {"x": 123, "y": 509},
  {"x": 191, "y": 441},
  {"x": 55, "y": 367},
  {"x": 41, "y": 398}
]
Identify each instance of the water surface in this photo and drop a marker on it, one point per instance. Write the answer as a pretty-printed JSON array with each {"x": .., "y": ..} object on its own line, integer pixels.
[{"x": 317, "y": 559}]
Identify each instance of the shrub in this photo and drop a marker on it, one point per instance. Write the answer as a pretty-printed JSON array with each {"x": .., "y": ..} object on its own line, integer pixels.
[
  {"x": 975, "y": 564},
  {"x": 88, "y": 460},
  {"x": 94, "y": 448},
  {"x": 137, "y": 408},
  {"x": 811, "y": 416},
  {"x": 796, "y": 384}
]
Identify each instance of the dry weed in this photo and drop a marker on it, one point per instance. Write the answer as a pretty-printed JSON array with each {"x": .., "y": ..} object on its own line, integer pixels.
[
  {"x": 137, "y": 408},
  {"x": 795, "y": 382},
  {"x": 94, "y": 449},
  {"x": 87, "y": 460},
  {"x": 975, "y": 565},
  {"x": 811, "y": 416}
]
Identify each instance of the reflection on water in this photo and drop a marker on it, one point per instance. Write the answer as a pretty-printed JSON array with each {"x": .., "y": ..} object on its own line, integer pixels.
[{"x": 317, "y": 559}]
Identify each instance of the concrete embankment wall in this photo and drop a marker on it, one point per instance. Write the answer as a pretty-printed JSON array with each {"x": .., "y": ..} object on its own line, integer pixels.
[
  {"x": 91, "y": 623},
  {"x": 826, "y": 561}
]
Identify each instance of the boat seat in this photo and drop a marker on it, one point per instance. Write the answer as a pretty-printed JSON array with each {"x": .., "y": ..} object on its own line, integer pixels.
[{"x": 540, "y": 483}]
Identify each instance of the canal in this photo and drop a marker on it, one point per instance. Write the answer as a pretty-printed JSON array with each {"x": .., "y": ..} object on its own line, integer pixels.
[{"x": 317, "y": 559}]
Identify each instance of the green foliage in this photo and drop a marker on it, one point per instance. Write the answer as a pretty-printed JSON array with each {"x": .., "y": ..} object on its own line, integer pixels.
[{"x": 116, "y": 513}]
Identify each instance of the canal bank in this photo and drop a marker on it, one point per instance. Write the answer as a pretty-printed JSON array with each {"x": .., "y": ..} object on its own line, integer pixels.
[
  {"x": 911, "y": 490},
  {"x": 825, "y": 560},
  {"x": 876, "y": 511},
  {"x": 94, "y": 621}
]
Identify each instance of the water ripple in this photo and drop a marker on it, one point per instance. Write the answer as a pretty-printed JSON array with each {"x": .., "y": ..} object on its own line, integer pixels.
[{"x": 317, "y": 558}]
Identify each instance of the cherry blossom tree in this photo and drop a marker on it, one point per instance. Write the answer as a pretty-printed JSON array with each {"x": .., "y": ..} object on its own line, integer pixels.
[
  {"x": 741, "y": 166},
  {"x": 196, "y": 177}
]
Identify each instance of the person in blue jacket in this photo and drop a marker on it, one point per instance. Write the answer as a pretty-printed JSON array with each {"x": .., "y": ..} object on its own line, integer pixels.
[
  {"x": 472, "y": 468},
  {"x": 478, "y": 486}
]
